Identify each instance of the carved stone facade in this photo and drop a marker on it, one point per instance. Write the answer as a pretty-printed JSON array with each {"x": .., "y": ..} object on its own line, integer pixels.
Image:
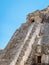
[{"x": 29, "y": 44}]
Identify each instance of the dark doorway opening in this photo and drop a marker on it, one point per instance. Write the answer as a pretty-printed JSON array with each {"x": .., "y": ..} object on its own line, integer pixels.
[
  {"x": 39, "y": 59},
  {"x": 32, "y": 21}
]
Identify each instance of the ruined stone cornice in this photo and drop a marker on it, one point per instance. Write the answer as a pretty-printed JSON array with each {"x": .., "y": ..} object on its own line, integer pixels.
[{"x": 39, "y": 16}]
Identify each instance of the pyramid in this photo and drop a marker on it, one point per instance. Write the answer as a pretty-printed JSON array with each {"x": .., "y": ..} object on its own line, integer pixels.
[{"x": 29, "y": 45}]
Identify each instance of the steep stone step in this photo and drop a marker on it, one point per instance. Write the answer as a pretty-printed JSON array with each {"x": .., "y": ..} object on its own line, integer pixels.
[
  {"x": 26, "y": 45},
  {"x": 26, "y": 38},
  {"x": 30, "y": 60},
  {"x": 27, "y": 52}
]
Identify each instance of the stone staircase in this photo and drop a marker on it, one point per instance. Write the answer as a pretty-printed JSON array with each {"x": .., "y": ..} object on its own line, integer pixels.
[
  {"x": 12, "y": 54},
  {"x": 25, "y": 40},
  {"x": 21, "y": 47},
  {"x": 26, "y": 45},
  {"x": 21, "y": 51}
]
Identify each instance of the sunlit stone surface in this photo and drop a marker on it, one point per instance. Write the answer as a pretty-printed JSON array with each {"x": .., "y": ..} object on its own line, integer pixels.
[{"x": 29, "y": 45}]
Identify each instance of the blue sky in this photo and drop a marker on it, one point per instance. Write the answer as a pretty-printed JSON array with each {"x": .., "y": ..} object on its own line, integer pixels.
[{"x": 13, "y": 14}]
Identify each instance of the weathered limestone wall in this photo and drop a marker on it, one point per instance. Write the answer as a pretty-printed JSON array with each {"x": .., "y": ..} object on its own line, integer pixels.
[
  {"x": 2, "y": 52},
  {"x": 29, "y": 41},
  {"x": 39, "y": 16}
]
